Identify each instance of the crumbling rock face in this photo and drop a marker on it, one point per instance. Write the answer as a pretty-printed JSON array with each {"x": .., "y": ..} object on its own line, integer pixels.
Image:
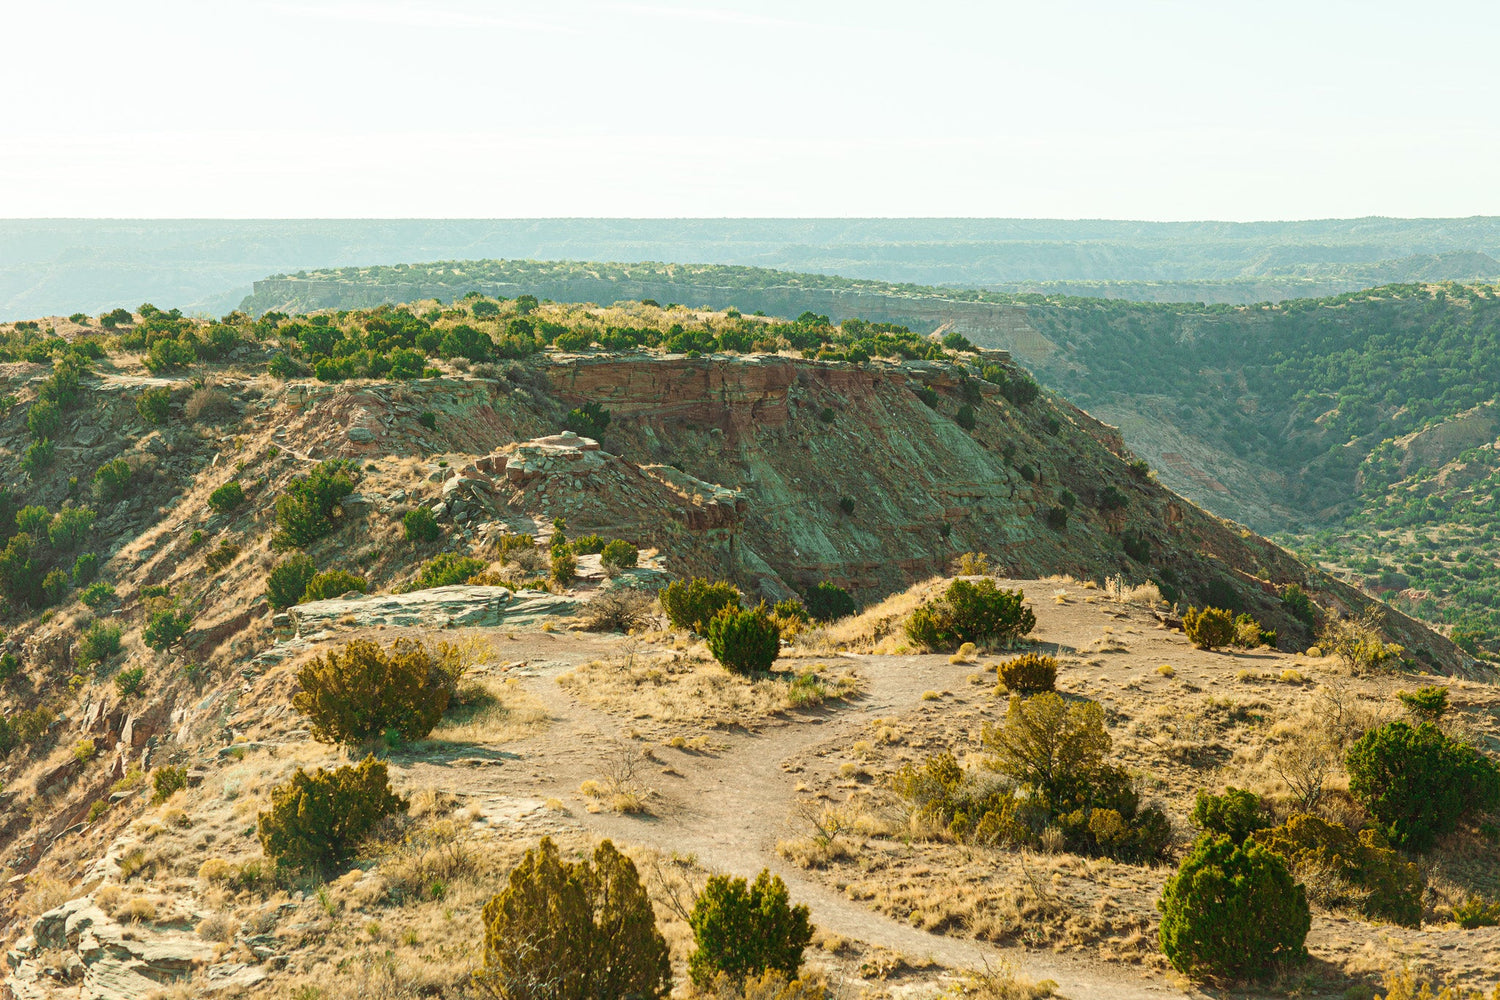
[{"x": 437, "y": 607}]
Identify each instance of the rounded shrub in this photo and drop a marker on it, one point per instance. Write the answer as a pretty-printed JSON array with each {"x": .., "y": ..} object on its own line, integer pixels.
[
  {"x": 744, "y": 930},
  {"x": 446, "y": 570},
  {"x": 1209, "y": 628},
  {"x": 618, "y": 556},
  {"x": 363, "y": 692},
  {"x": 745, "y": 641},
  {"x": 693, "y": 604},
  {"x": 1417, "y": 782},
  {"x": 227, "y": 497},
  {"x": 1029, "y": 673},
  {"x": 1231, "y": 910},
  {"x": 421, "y": 525},
  {"x": 318, "y": 819},
  {"x": 573, "y": 931},
  {"x": 828, "y": 602},
  {"x": 971, "y": 611},
  {"x": 1236, "y": 814},
  {"x": 332, "y": 583},
  {"x": 1348, "y": 870},
  {"x": 288, "y": 580}
]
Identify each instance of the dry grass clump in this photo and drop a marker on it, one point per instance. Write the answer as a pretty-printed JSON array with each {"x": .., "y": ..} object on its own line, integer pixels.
[
  {"x": 426, "y": 862},
  {"x": 43, "y": 893},
  {"x": 670, "y": 686},
  {"x": 879, "y": 628},
  {"x": 622, "y": 788},
  {"x": 490, "y": 710},
  {"x": 218, "y": 927},
  {"x": 1117, "y": 590},
  {"x": 622, "y": 609},
  {"x": 1002, "y": 982},
  {"x": 208, "y": 405}
]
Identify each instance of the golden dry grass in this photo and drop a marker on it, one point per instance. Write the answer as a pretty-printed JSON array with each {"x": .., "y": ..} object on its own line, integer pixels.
[{"x": 491, "y": 710}]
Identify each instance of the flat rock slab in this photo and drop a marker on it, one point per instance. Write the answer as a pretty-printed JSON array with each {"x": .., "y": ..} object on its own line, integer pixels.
[{"x": 461, "y": 605}]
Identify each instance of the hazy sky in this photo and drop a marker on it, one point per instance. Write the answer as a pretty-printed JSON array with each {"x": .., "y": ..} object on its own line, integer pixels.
[{"x": 1157, "y": 110}]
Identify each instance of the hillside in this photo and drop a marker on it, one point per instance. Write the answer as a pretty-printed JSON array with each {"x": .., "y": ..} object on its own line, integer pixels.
[
  {"x": 62, "y": 265},
  {"x": 159, "y": 467},
  {"x": 1328, "y": 422}
]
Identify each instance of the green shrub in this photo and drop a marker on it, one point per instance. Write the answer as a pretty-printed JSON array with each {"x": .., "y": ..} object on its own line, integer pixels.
[
  {"x": 9, "y": 667},
  {"x": 927, "y": 396},
  {"x": 332, "y": 583},
  {"x": 421, "y": 526},
  {"x": 362, "y": 692},
  {"x": 445, "y": 570},
  {"x": 965, "y": 417},
  {"x": 55, "y": 586},
  {"x": 588, "y": 421},
  {"x": 99, "y": 642},
  {"x": 1475, "y": 912},
  {"x": 1417, "y": 782},
  {"x": 1357, "y": 642},
  {"x": 828, "y": 602},
  {"x": 38, "y": 457},
  {"x": 588, "y": 545},
  {"x": 317, "y": 820},
  {"x": 1427, "y": 704},
  {"x": 154, "y": 404},
  {"x": 111, "y": 480},
  {"x": 744, "y": 930},
  {"x": 33, "y": 520},
  {"x": 1057, "y": 517},
  {"x": 617, "y": 556},
  {"x": 128, "y": 682},
  {"x": 573, "y": 931},
  {"x": 971, "y": 611},
  {"x": 164, "y": 628},
  {"x": 69, "y": 527},
  {"x": 167, "y": 354},
  {"x": 1236, "y": 814},
  {"x": 428, "y": 419},
  {"x": 305, "y": 512},
  {"x": 941, "y": 792},
  {"x": 85, "y": 569},
  {"x": 564, "y": 566},
  {"x": 1209, "y": 628},
  {"x": 512, "y": 545},
  {"x": 1231, "y": 911},
  {"x": 226, "y": 498},
  {"x": 1299, "y": 605},
  {"x": 1029, "y": 673},
  {"x": 43, "y": 419},
  {"x": 745, "y": 641},
  {"x": 1345, "y": 870},
  {"x": 1249, "y": 634},
  {"x": 692, "y": 605},
  {"x": 166, "y": 781},
  {"x": 96, "y": 595},
  {"x": 288, "y": 580},
  {"x": 222, "y": 554}
]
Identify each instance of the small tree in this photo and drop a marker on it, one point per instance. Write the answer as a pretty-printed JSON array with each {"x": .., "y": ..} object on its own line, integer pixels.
[
  {"x": 154, "y": 404},
  {"x": 828, "y": 602},
  {"x": 317, "y": 820},
  {"x": 364, "y": 691},
  {"x": 288, "y": 580},
  {"x": 1209, "y": 628},
  {"x": 745, "y": 930},
  {"x": 165, "y": 627},
  {"x": 745, "y": 641},
  {"x": 574, "y": 931},
  {"x": 421, "y": 526},
  {"x": 305, "y": 512},
  {"x": 692, "y": 605},
  {"x": 1356, "y": 642},
  {"x": 1054, "y": 749},
  {"x": 971, "y": 611},
  {"x": 1236, "y": 814},
  {"x": 111, "y": 480},
  {"x": 227, "y": 497},
  {"x": 446, "y": 570},
  {"x": 1231, "y": 910},
  {"x": 618, "y": 556},
  {"x": 333, "y": 583},
  {"x": 1417, "y": 782}
]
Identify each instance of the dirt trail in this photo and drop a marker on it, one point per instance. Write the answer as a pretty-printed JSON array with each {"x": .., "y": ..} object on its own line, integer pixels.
[{"x": 729, "y": 807}]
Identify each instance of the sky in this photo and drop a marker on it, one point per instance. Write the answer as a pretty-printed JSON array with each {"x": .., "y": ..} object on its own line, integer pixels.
[{"x": 1157, "y": 109}]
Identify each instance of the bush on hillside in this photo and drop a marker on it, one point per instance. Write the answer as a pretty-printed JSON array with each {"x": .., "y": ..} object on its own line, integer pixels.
[
  {"x": 745, "y": 641},
  {"x": 588, "y": 421},
  {"x": 70, "y": 527},
  {"x": 332, "y": 583},
  {"x": 111, "y": 480},
  {"x": 1209, "y": 628},
  {"x": 693, "y": 604},
  {"x": 1299, "y": 604},
  {"x": 744, "y": 930},
  {"x": 165, "y": 627},
  {"x": 99, "y": 642},
  {"x": 588, "y": 545},
  {"x": 564, "y": 566},
  {"x": 445, "y": 570},
  {"x": 363, "y": 692},
  {"x": 317, "y": 820},
  {"x": 85, "y": 569},
  {"x": 971, "y": 611},
  {"x": 421, "y": 526},
  {"x": 1357, "y": 642},
  {"x": 167, "y": 781},
  {"x": 617, "y": 556},
  {"x": 288, "y": 580},
  {"x": 1349, "y": 871},
  {"x": 828, "y": 602},
  {"x": 573, "y": 931},
  {"x": 227, "y": 497},
  {"x": 154, "y": 404},
  {"x": 306, "y": 511},
  {"x": 222, "y": 555},
  {"x": 1029, "y": 673},
  {"x": 621, "y": 609},
  {"x": 1231, "y": 911},
  {"x": 1236, "y": 814},
  {"x": 1426, "y": 704},
  {"x": 1417, "y": 782}
]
